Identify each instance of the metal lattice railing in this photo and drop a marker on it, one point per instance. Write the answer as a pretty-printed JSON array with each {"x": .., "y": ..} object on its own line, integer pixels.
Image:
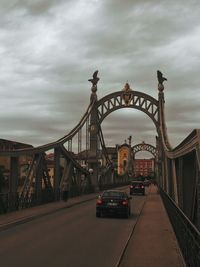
[{"x": 187, "y": 234}]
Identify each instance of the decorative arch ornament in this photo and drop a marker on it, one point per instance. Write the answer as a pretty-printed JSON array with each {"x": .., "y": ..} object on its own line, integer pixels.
[
  {"x": 130, "y": 99},
  {"x": 145, "y": 147}
]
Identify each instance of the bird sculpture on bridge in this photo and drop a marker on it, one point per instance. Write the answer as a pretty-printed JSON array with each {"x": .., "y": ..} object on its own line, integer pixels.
[
  {"x": 161, "y": 79},
  {"x": 95, "y": 79}
]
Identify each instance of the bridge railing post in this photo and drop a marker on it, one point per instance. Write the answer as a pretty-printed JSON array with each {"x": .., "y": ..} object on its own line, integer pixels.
[{"x": 13, "y": 184}]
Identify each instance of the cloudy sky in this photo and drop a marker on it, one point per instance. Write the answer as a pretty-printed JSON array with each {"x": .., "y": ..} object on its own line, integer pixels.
[{"x": 49, "y": 49}]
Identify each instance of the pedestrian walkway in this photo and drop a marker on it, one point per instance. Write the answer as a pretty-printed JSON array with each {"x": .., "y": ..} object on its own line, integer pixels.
[
  {"x": 153, "y": 243},
  {"x": 25, "y": 215}
]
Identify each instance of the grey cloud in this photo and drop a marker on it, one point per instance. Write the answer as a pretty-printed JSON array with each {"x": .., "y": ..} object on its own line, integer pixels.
[
  {"x": 118, "y": 126},
  {"x": 33, "y": 7},
  {"x": 49, "y": 49}
]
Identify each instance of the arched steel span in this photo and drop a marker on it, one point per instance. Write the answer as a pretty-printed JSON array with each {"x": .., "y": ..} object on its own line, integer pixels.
[
  {"x": 145, "y": 147},
  {"x": 174, "y": 165},
  {"x": 140, "y": 101},
  {"x": 178, "y": 167}
]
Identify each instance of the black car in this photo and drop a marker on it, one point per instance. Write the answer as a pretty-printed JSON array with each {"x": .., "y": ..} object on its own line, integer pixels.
[
  {"x": 137, "y": 187},
  {"x": 113, "y": 202}
]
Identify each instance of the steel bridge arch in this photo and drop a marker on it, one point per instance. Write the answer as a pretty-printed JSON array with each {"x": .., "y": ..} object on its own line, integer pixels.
[
  {"x": 145, "y": 147},
  {"x": 138, "y": 100}
]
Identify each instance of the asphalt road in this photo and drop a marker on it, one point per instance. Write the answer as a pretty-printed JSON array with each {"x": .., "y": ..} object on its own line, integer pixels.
[{"x": 73, "y": 237}]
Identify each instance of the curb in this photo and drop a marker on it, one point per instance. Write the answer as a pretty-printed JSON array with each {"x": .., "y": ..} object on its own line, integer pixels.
[{"x": 26, "y": 219}]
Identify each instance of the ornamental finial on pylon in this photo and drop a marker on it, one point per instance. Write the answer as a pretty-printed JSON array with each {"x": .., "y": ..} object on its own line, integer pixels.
[
  {"x": 161, "y": 79},
  {"x": 94, "y": 82},
  {"x": 126, "y": 87},
  {"x": 127, "y": 94}
]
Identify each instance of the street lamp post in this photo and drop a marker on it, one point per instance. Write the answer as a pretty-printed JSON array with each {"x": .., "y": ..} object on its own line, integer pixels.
[
  {"x": 94, "y": 178},
  {"x": 91, "y": 171}
]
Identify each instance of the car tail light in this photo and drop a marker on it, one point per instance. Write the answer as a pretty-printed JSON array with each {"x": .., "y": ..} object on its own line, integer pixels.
[
  {"x": 125, "y": 202},
  {"x": 99, "y": 201},
  {"x": 131, "y": 186},
  {"x": 142, "y": 186}
]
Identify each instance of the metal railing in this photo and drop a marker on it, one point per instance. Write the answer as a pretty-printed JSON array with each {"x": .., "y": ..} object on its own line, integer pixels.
[
  {"x": 13, "y": 201},
  {"x": 186, "y": 233}
]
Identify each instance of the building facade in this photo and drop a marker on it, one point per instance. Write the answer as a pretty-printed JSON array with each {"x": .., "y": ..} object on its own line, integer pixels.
[
  {"x": 124, "y": 159},
  {"x": 144, "y": 167},
  {"x": 24, "y": 161}
]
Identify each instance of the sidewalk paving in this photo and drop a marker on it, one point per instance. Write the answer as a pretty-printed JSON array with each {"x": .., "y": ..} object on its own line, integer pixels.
[
  {"x": 153, "y": 243},
  {"x": 22, "y": 216}
]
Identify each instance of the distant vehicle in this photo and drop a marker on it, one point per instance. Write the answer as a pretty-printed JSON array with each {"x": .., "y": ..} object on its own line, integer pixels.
[
  {"x": 138, "y": 178},
  {"x": 137, "y": 187},
  {"x": 113, "y": 202}
]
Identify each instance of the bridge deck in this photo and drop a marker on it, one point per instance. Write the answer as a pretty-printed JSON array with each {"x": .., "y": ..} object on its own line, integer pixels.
[{"x": 153, "y": 242}]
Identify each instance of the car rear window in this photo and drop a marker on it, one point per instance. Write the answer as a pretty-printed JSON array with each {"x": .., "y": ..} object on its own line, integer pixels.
[
  {"x": 114, "y": 194},
  {"x": 137, "y": 183}
]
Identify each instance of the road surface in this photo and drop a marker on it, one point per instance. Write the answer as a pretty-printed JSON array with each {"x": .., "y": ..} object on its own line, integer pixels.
[{"x": 73, "y": 237}]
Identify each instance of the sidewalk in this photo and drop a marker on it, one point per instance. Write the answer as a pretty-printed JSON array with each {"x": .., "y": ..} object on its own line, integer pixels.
[
  {"x": 22, "y": 216},
  {"x": 153, "y": 242}
]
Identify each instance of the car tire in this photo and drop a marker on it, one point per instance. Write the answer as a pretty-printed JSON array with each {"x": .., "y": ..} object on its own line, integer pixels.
[{"x": 127, "y": 214}]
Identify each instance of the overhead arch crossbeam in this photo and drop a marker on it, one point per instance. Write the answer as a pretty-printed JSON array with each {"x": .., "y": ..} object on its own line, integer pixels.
[
  {"x": 145, "y": 147},
  {"x": 138, "y": 100}
]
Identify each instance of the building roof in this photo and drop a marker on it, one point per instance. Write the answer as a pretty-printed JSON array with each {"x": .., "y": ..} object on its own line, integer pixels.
[{"x": 9, "y": 144}]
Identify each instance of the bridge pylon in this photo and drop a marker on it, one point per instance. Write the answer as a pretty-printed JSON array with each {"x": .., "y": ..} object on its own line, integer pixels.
[{"x": 93, "y": 133}]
